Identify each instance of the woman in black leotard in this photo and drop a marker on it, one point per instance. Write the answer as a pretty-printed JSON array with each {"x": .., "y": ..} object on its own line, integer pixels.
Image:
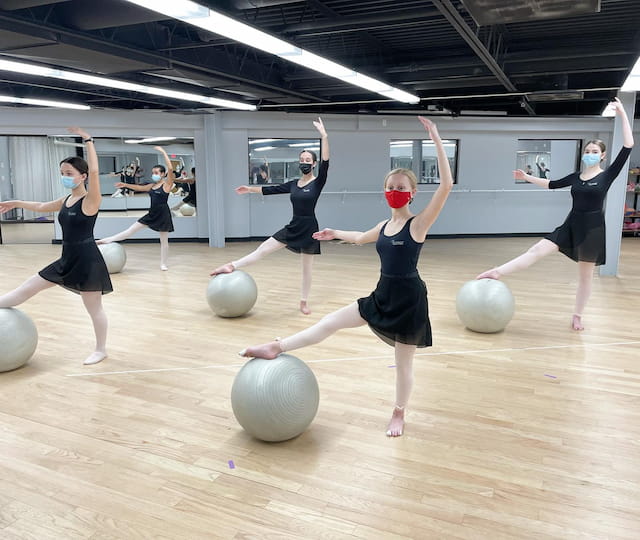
[
  {"x": 582, "y": 236},
  {"x": 81, "y": 268},
  {"x": 397, "y": 311},
  {"x": 297, "y": 235},
  {"x": 159, "y": 216}
]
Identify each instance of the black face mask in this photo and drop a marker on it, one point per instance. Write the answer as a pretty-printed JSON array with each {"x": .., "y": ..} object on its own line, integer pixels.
[{"x": 305, "y": 168}]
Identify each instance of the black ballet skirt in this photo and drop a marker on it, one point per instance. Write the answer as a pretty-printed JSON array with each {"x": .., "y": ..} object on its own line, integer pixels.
[
  {"x": 159, "y": 216},
  {"x": 297, "y": 235},
  {"x": 397, "y": 311},
  {"x": 582, "y": 237},
  {"x": 81, "y": 267}
]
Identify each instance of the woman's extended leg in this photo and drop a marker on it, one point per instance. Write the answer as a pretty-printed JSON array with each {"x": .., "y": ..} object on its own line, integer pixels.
[
  {"x": 29, "y": 288},
  {"x": 346, "y": 317},
  {"x": 122, "y": 235},
  {"x": 536, "y": 252},
  {"x": 268, "y": 246}
]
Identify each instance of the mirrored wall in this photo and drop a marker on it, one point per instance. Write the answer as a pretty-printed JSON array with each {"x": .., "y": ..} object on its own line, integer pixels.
[
  {"x": 274, "y": 161},
  {"x": 548, "y": 158},
  {"x": 419, "y": 155},
  {"x": 29, "y": 170}
]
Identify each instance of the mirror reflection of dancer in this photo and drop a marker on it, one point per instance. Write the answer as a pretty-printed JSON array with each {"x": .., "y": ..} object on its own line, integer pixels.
[
  {"x": 81, "y": 268},
  {"x": 159, "y": 216},
  {"x": 397, "y": 311},
  {"x": 297, "y": 235},
  {"x": 191, "y": 199},
  {"x": 582, "y": 236}
]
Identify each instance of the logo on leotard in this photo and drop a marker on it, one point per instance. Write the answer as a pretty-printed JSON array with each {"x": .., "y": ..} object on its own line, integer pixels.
[
  {"x": 71, "y": 213},
  {"x": 593, "y": 183},
  {"x": 306, "y": 190},
  {"x": 397, "y": 242}
]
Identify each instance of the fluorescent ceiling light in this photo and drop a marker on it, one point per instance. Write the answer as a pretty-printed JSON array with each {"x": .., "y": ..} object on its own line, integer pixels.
[
  {"x": 302, "y": 144},
  {"x": 148, "y": 140},
  {"x": 43, "y": 71},
  {"x": 632, "y": 84},
  {"x": 263, "y": 148},
  {"x": 44, "y": 103},
  {"x": 202, "y": 17},
  {"x": 258, "y": 141}
]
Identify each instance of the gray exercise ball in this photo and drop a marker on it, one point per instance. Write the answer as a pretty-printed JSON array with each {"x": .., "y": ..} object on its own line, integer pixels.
[
  {"x": 187, "y": 210},
  {"x": 233, "y": 294},
  {"x": 485, "y": 305},
  {"x": 18, "y": 338},
  {"x": 275, "y": 400},
  {"x": 114, "y": 256}
]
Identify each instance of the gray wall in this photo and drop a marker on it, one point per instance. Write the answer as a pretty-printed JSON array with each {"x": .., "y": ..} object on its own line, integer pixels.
[
  {"x": 359, "y": 160},
  {"x": 486, "y": 199}
]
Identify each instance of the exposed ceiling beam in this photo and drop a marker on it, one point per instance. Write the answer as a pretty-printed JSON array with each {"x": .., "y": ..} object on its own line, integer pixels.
[{"x": 451, "y": 14}]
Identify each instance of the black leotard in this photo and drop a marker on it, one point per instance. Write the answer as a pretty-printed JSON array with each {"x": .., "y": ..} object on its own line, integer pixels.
[
  {"x": 81, "y": 267},
  {"x": 159, "y": 216},
  {"x": 398, "y": 311},
  {"x": 297, "y": 234},
  {"x": 582, "y": 235}
]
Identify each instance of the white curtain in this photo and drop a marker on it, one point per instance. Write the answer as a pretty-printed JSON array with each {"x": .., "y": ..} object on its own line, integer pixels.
[{"x": 35, "y": 170}]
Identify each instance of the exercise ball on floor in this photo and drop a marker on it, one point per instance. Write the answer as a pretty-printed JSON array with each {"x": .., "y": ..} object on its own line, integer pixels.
[
  {"x": 187, "y": 210},
  {"x": 275, "y": 400},
  {"x": 233, "y": 294},
  {"x": 114, "y": 256},
  {"x": 485, "y": 305},
  {"x": 18, "y": 338}
]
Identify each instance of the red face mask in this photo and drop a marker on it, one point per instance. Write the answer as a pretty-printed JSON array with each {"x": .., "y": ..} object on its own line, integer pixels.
[{"x": 397, "y": 199}]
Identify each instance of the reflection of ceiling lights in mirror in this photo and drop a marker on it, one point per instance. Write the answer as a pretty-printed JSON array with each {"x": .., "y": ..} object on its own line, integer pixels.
[
  {"x": 263, "y": 148},
  {"x": 54, "y": 73},
  {"x": 259, "y": 141},
  {"x": 44, "y": 103},
  {"x": 149, "y": 140},
  {"x": 212, "y": 21}
]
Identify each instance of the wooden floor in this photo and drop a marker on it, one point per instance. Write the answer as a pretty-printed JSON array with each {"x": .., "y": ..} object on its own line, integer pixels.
[{"x": 531, "y": 433}]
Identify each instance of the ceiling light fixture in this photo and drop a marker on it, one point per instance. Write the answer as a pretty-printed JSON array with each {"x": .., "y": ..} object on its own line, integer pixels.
[
  {"x": 44, "y": 103},
  {"x": 54, "y": 73},
  {"x": 207, "y": 19}
]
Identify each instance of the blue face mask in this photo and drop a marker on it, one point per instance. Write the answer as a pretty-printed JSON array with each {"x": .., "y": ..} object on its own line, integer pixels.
[
  {"x": 156, "y": 177},
  {"x": 69, "y": 182},
  {"x": 590, "y": 159}
]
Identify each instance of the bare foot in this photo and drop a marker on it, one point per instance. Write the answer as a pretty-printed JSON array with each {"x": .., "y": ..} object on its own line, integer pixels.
[
  {"x": 94, "y": 358},
  {"x": 576, "y": 322},
  {"x": 490, "y": 274},
  {"x": 396, "y": 424},
  {"x": 304, "y": 307},
  {"x": 224, "y": 269},
  {"x": 164, "y": 267},
  {"x": 268, "y": 351}
]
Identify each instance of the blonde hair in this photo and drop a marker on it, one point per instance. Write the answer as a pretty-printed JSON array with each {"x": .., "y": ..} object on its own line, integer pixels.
[
  {"x": 597, "y": 142},
  {"x": 407, "y": 172}
]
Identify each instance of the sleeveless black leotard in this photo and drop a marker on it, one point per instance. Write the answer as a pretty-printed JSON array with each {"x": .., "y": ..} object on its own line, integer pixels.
[
  {"x": 582, "y": 235},
  {"x": 81, "y": 267},
  {"x": 398, "y": 311},
  {"x": 297, "y": 234},
  {"x": 159, "y": 216}
]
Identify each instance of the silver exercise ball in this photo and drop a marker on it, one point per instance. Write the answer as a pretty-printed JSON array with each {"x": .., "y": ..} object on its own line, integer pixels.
[
  {"x": 232, "y": 295},
  {"x": 187, "y": 210},
  {"x": 18, "y": 338},
  {"x": 275, "y": 400},
  {"x": 485, "y": 305},
  {"x": 114, "y": 256}
]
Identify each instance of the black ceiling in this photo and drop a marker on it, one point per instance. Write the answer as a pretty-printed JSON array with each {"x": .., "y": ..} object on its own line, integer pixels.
[{"x": 525, "y": 57}]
